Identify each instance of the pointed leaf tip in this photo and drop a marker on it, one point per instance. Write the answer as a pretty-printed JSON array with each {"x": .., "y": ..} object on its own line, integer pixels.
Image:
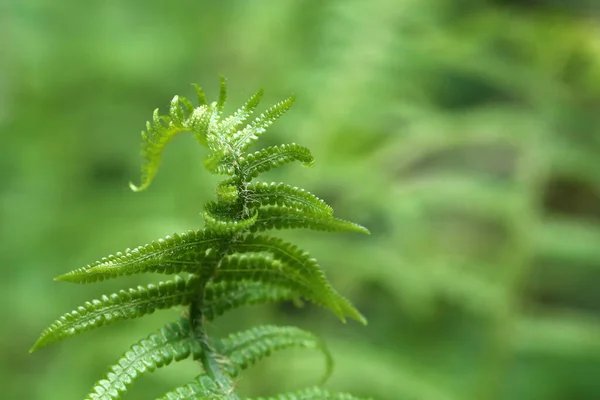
[
  {"x": 135, "y": 188},
  {"x": 362, "y": 229},
  {"x": 222, "y": 94},
  {"x": 63, "y": 278}
]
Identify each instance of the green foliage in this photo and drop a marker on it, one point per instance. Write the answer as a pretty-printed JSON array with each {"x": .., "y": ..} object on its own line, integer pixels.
[
  {"x": 134, "y": 303},
  {"x": 243, "y": 349},
  {"x": 311, "y": 394},
  {"x": 174, "y": 342},
  {"x": 228, "y": 264}
]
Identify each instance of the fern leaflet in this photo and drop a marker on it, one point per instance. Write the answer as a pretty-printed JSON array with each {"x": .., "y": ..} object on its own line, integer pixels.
[
  {"x": 314, "y": 393},
  {"x": 134, "y": 303},
  {"x": 173, "y": 342},
  {"x": 246, "y": 348},
  {"x": 202, "y": 388},
  {"x": 171, "y": 255}
]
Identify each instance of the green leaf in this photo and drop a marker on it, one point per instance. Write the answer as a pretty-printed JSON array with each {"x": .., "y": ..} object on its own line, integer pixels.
[
  {"x": 263, "y": 268},
  {"x": 134, "y": 303},
  {"x": 273, "y": 157},
  {"x": 244, "y": 138},
  {"x": 315, "y": 393},
  {"x": 220, "y": 297},
  {"x": 200, "y": 94},
  {"x": 219, "y": 224},
  {"x": 222, "y": 95},
  {"x": 214, "y": 163},
  {"x": 290, "y": 218},
  {"x": 173, "y": 342},
  {"x": 199, "y": 122},
  {"x": 280, "y": 194},
  {"x": 201, "y": 388},
  {"x": 176, "y": 112},
  {"x": 243, "y": 349},
  {"x": 158, "y": 133},
  {"x": 231, "y": 124},
  {"x": 163, "y": 129},
  {"x": 227, "y": 194},
  {"x": 299, "y": 269},
  {"x": 188, "y": 252}
]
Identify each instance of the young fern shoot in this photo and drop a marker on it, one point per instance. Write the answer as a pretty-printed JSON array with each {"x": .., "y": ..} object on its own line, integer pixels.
[{"x": 227, "y": 264}]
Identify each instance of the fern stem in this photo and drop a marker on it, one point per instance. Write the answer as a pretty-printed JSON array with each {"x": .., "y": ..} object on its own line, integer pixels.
[
  {"x": 210, "y": 358},
  {"x": 212, "y": 366}
]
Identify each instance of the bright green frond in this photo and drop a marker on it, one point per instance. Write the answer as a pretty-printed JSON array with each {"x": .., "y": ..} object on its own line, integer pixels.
[
  {"x": 214, "y": 163},
  {"x": 188, "y": 252},
  {"x": 158, "y": 133},
  {"x": 263, "y": 268},
  {"x": 280, "y": 194},
  {"x": 244, "y": 138},
  {"x": 222, "y": 225},
  {"x": 243, "y": 349},
  {"x": 173, "y": 342},
  {"x": 176, "y": 112},
  {"x": 199, "y": 122},
  {"x": 300, "y": 264},
  {"x": 231, "y": 124},
  {"x": 134, "y": 303},
  {"x": 315, "y": 393},
  {"x": 224, "y": 296},
  {"x": 228, "y": 263},
  {"x": 222, "y": 95},
  {"x": 201, "y": 388},
  {"x": 227, "y": 193},
  {"x": 273, "y": 157},
  {"x": 290, "y": 218},
  {"x": 200, "y": 95},
  {"x": 162, "y": 129}
]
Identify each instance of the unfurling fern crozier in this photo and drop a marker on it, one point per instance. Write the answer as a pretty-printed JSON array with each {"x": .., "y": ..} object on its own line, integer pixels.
[{"x": 228, "y": 264}]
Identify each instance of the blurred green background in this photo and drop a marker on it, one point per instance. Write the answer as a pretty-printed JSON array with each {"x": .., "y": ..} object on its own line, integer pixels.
[{"x": 464, "y": 133}]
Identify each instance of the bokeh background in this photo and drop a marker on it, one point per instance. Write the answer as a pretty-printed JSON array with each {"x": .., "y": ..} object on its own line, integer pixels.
[{"x": 464, "y": 133}]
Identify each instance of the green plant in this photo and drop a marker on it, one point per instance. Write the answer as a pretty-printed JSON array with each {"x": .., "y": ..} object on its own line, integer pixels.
[{"x": 228, "y": 264}]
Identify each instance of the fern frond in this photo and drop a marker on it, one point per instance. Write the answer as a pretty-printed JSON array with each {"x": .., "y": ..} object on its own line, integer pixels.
[
  {"x": 201, "y": 388},
  {"x": 134, "y": 303},
  {"x": 220, "y": 297},
  {"x": 158, "y": 133},
  {"x": 273, "y": 157},
  {"x": 231, "y": 124},
  {"x": 267, "y": 270},
  {"x": 280, "y": 194},
  {"x": 161, "y": 131},
  {"x": 225, "y": 225},
  {"x": 172, "y": 342},
  {"x": 291, "y": 218},
  {"x": 315, "y": 393},
  {"x": 229, "y": 265},
  {"x": 222, "y": 94},
  {"x": 173, "y": 254},
  {"x": 244, "y": 138},
  {"x": 301, "y": 265},
  {"x": 227, "y": 193},
  {"x": 200, "y": 95},
  {"x": 215, "y": 161},
  {"x": 199, "y": 122},
  {"x": 243, "y": 349}
]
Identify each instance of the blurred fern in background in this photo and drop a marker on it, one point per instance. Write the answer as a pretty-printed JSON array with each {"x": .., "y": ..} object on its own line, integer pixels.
[{"x": 465, "y": 134}]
